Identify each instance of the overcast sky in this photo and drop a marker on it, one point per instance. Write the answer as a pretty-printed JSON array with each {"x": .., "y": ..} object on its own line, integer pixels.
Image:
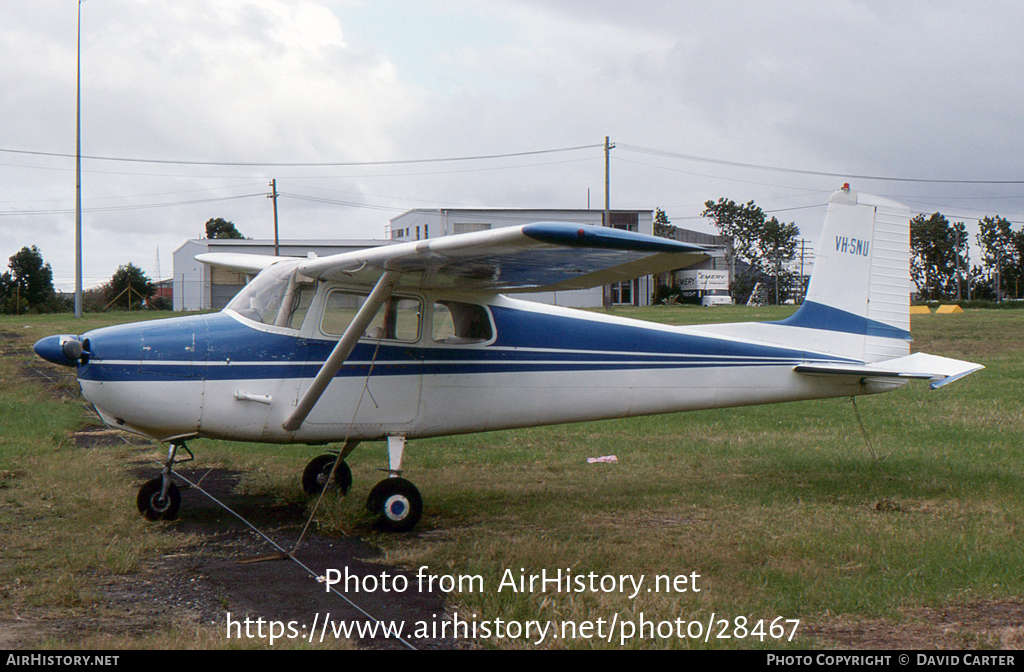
[{"x": 923, "y": 90}]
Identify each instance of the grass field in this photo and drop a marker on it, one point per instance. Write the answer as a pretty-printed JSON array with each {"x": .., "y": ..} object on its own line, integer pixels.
[{"x": 783, "y": 511}]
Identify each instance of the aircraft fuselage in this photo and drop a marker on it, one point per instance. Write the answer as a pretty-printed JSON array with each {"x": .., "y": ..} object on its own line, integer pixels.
[{"x": 223, "y": 376}]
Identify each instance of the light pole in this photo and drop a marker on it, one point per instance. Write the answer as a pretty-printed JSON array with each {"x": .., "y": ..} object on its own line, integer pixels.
[{"x": 78, "y": 169}]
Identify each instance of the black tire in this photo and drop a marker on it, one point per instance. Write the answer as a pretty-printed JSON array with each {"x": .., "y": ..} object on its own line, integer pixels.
[
  {"x": 150, "y": 504},
  {"x": 316, "y": 473},
  {"x": 397, "y": 504}
]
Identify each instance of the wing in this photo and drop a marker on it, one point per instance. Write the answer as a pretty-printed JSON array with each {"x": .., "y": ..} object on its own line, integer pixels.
[
  {"x": 243, "y": 263},
  {"x": 940, "y": 370},
  {"x": 545, "y": 256}
]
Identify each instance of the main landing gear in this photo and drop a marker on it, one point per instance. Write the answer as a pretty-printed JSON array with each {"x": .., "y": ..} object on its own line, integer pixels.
[
  {"x": 395, "y": 501},
  {"x": 159, "y": 498}
]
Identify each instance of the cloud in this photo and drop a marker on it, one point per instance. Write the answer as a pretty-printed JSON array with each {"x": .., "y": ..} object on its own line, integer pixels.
[
  {"x": 266, "y": 80},
  {"x": 924, "y": 89}
]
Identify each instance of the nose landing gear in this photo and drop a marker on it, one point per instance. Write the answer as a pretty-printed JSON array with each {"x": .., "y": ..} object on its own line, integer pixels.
[{"x": 159, "y": 498}]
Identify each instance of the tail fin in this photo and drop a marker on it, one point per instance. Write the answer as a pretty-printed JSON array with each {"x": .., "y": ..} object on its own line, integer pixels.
[
  {"x": 860, "y": 287},
  {"x": 858, "y": 303}
]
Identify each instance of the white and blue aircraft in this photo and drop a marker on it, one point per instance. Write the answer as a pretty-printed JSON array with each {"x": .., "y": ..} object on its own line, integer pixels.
[{"x": 421, "y": 339}]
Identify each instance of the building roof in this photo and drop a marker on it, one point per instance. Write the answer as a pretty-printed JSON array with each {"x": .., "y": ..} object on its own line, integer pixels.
[
  {"x": 290, "y": 242},
  {"x": 595, "y": 211}
]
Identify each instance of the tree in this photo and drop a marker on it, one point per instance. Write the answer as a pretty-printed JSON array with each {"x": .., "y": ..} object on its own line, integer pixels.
[
  {"x": 938, "y": 255},
  {"x": 221, "y": 228},
  {"x": 765, "y": 246},
  {"x": 662, "y": 226},
  {"x": 777, "y": 247},
  {"x": 128, "y": 287},
  {"x": 1002, "y": 255},
  {"x": 738, "y": 225},
  {"x": 28, "y": 286}
]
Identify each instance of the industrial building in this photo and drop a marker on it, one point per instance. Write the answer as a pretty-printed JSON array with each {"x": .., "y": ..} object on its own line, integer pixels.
[
  {"x": 199, "y": 287},
  {"x": 421, "y": 224}
]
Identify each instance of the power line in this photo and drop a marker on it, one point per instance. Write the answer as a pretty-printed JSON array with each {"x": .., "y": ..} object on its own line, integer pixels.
[
  {"x": 249, "y": 164},
  {"x": 118, "y": 208},
  {"x": 123, "y": 197},
  {"x": 331, "y": 201},
  {"x": 364, "y": 175},
  {"x": 781, "y": 169},
  {"x": 718, "y": 177}
]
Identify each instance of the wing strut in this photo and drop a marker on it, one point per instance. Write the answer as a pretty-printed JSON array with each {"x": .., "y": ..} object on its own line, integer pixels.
[{"x": 380, "y": 294}]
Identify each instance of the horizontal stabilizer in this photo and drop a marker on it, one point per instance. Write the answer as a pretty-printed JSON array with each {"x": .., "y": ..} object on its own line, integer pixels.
[{"x": 940, "y": 370}]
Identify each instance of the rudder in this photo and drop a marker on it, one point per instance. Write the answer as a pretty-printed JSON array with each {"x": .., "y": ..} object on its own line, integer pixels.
[{"x": 860, "y": 285}]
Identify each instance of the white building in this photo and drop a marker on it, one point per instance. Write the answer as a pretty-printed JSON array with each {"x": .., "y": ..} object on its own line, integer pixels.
[
  {"x": 200, "y": 287},
  {"x": 421, "y": 224}
]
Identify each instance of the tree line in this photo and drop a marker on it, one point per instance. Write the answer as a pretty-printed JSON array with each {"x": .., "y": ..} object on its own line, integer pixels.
[
  {"x": 27, "y": 287},
  {"x": 941, "y": 267},
  {"x": 760, "y": 249}
]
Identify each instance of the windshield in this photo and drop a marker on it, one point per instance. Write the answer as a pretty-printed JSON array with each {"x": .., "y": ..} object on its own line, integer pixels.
[{"x": 277, "y": 296}]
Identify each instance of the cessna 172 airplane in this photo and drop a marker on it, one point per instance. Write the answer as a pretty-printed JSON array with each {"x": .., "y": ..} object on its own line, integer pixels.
[{"x": 420, "y": 339}]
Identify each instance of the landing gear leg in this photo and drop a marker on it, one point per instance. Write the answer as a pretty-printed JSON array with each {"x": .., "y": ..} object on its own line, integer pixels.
[
  {"x": 159, "y": 498},
  {"x": 396, "y": 502}
]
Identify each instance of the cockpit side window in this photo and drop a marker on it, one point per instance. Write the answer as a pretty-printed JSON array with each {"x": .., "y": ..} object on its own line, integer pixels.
[
  {"x": 279, "y": 296},
  {"x": 455, "y": 322},
  {"x": 397, "y": 320}
]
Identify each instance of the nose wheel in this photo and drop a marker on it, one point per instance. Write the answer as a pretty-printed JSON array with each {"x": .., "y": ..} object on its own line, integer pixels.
[
  {"x": 154, "y": 505},
  {"x": 159, "y": 498}
]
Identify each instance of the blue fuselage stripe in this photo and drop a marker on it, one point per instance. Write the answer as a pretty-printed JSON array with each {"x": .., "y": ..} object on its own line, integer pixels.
[
  {"x": 813, "y": 315},
  {"x": 219, "y": 347}
]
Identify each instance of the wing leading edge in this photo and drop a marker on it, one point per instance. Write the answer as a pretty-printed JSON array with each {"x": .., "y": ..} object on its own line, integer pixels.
[{"x": 545, "y": 256}]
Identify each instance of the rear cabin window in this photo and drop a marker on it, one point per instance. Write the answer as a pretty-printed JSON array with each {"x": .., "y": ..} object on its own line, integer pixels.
[
  {"x": 396, "y": 320},
  {"x": 457, "y": 323}
]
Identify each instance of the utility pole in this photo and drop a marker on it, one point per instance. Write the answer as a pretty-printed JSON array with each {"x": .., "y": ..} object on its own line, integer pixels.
[
  {"x": 960, "y": 271},
  {"x": 999, "y": 276},
  {"x": 608, "y": 146},
  {"x": 273, "y": 195},
  {"x": 803, "y": 282},
  {"x": 78, "y": 169}
]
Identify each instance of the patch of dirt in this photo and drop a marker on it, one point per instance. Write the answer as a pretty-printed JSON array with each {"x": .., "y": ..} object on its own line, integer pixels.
[
  {"x": 216, "y": 574},
  {"x": 987, "y": 624}
]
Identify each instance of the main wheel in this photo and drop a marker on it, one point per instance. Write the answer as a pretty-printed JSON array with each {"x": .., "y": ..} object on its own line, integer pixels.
[
  {"x": 316, "y": 473},
  {"x": 152, "y": 506},
  {"x": 397, "y": 504}
]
